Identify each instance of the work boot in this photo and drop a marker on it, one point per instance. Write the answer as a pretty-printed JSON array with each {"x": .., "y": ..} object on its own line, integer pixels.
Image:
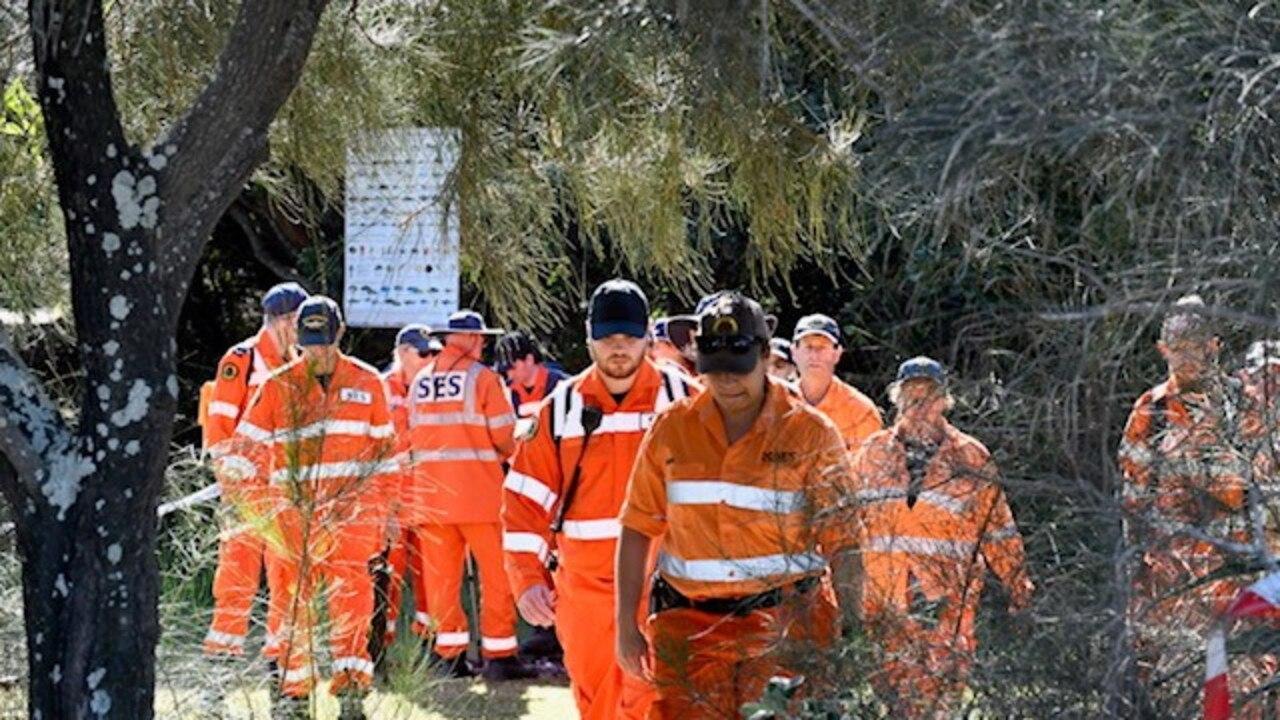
[
  {"x": 285, "y": 707},
  {"x": 455, "y": 668},
  {"x": 507, "y": 668},
  {"x": 351, "y": 706}
]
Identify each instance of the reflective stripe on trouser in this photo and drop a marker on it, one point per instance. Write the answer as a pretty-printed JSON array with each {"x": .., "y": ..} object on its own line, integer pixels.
[
  {"x": 584, "y": 620},
  {"x": 349, "y": 590},
  {"x": 442, "y": 549},
  {"x": 235, "y": 583},
  {"x": 708, "y": 666},
  {"x": 405, "y": 565}
]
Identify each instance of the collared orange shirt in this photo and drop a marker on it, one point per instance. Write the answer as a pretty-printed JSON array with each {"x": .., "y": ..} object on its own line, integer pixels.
[
  {"x": 543, "y": 466},
  {"x": 461, "y": 430},
  {"x": 740, "y": 519},
  {"x": 325, "y": 452},
  {"x": 854, "y": 414},
  {"x": 1180, "y": 461},
  {"x": 942, "y": 539},
  {"x": 241, "y": 371}
]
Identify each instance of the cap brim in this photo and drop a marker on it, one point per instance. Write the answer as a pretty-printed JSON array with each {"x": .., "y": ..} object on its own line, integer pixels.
[
  {"x": 806, "y": 333},
  {"x": 728, "y": 362},
  {"x": 602, "y": 330},
  {"x": 308, "y": 338},
  {"x": 488, "y": 331}
]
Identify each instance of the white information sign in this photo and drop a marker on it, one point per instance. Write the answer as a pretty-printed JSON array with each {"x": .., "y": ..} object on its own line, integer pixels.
[{"x": 401, "y": 231}]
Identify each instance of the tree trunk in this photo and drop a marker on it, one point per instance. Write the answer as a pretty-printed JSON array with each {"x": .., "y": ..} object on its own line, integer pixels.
[{"x": 84, "y": 492}]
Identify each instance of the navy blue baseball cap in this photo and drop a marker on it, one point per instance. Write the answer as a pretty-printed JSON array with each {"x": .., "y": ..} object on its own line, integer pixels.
[
  {"x": 922, "y": 367},
  {"x": 319, "y": 321},
  {"x": 818, "y": 325},
  {"x": 781, "y": 349},
  {"x": 418, "y": 336},
  {"x": 283, "y": 299},
  {"x": 618, "y": 307},
  {"x": 466, "y": 322}
]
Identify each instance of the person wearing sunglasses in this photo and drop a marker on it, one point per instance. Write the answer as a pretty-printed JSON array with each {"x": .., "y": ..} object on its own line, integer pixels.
[
  {"x": 673, "y": 343},
  {"x": 749, "y": 490},
  {"x": 817, "y": 345}
]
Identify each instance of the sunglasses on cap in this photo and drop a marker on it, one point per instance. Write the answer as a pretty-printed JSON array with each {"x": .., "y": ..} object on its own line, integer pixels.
[
  {"x": 428, "y": 353},
  {"x": 734, "y": 344}
]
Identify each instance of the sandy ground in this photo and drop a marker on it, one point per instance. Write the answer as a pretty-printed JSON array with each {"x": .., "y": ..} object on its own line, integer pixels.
[{"x": 444, "y": 700}]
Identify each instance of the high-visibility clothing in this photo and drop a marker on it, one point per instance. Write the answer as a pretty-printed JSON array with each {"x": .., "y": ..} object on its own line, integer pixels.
[
  {"x": 733, "y": 521},
  {"x": 461, "y": 427},
  {"x": 1185, "y": 457},
  {"x": 443, "y": 549},
  {"x": 535, "y": 489},
  {"x": 854, "y": 414},
  {"x": 402, "y": 553},
  {"x": 322, "y": 484},
  {"x": 707, "y": 666},
  {"x": 925, "y": 551},
  {"x": 241, "y": 371},
  {"x": 525, "y": 399}
]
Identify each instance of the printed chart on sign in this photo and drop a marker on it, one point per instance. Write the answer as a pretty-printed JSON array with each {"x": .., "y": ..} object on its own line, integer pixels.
[{"x": 401, "y": 228}]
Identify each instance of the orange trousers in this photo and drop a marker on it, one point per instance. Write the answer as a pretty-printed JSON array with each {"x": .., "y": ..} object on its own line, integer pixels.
[
  {"x": 339, "y": 558},
  {"x": 707, "y": 666},
  {"x": 405, "y": 565},
  {"x": 926, "y": 666},
  {"x": 443, "y": 550},
  {"x": 584, "y": 621},
  {"x": 235, "y": 584}
]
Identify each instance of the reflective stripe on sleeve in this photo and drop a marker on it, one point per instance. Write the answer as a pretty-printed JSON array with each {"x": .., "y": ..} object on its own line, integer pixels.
[
  {"x": 525, "y": 542},
  {"x": 224, "y": 409},
  {"x": 532, "y": 488}
]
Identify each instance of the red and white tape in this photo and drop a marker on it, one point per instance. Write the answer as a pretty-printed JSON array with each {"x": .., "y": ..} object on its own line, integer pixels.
[{"x": 1259, "y": 600}]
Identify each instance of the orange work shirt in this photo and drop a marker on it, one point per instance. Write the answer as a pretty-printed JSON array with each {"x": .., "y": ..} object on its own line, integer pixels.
[
  {"x": 325, "y": 451},
  {"x": 461, "y": 430},
  {"x": 241, "y": 371},
  {"x": 544, "y": 465},
  {"x": 942, "y": 539},
  {"x": 855, "y": 416},
  {"x": 740, "y": 519}
]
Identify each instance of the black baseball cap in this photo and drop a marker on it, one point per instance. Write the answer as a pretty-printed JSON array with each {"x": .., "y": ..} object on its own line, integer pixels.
[
  {"x": 618, "y": 307},
  {"x": 818, "y": 325},
  {"x": 732, "y": 328},
  {"x": 283, "y": 299},
  {"x": 319, "y": 321}
]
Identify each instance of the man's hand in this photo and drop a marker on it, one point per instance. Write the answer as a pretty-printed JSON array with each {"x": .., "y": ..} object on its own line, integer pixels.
[
  {"x": 538, "y": 606},
  {"x": 633, "y": 652}
]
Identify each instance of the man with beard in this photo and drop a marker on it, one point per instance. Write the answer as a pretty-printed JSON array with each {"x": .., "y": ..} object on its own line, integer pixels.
[
  {"x": 1187, "y": 463},
  {"x": 564, "y": 491}
]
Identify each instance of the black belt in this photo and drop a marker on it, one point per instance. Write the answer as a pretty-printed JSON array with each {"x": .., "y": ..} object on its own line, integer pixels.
[{"x": 663, "y": 596}]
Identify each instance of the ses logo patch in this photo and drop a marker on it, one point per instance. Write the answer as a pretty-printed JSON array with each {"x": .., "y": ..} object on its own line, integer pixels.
[{"x": 441, "y": 387}]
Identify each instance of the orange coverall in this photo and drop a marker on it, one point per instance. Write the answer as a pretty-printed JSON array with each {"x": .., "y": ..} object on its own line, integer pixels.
[
  {"x": 534, "y": 490},
  {"x": 1186, "y": 461},
  {"x": 403, "y": 556},
  {"x": 241, "y": 372},
  {"x": 323, "y": 477},
  {"x": 925, "y": 558},
  {"x": 735, "y": 521},
  {"x": 461, "y": 427}
]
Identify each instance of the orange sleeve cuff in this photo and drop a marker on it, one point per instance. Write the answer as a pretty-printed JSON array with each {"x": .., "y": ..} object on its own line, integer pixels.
[{"x": 646, "y": 525}]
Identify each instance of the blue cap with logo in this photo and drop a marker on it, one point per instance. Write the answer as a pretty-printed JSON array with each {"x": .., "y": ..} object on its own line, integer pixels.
[
  {"x": 818, "y": 324},
  {"x": 466, "y": 322},
  {"x": 618, "y": 307},
  {"x": 922, "y": 367},
  {"x": 417, "y": 336},
  {"x": 319, "y": 321},
  {"x": 283, "y": 299}
]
